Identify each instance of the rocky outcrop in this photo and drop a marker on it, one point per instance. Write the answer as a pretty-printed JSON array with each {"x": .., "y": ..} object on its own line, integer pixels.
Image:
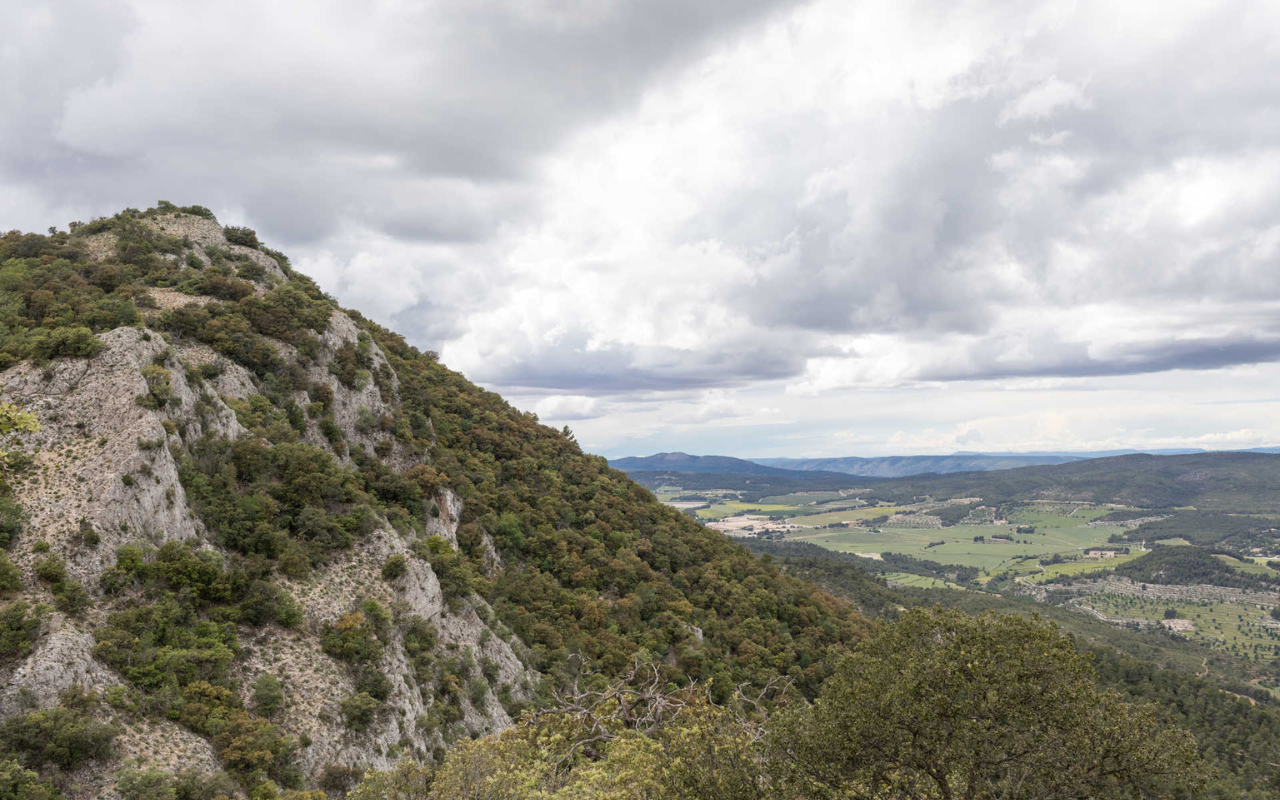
[
  {"x": 202, "y": 233},
  {"x": 104, "y": 461}
]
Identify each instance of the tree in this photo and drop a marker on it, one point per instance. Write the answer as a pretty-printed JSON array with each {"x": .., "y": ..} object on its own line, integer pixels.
[{"x": 943, "y": 705}]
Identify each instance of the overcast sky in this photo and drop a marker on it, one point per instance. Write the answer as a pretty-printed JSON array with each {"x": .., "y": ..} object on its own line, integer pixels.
[{"x": 743, "y": 227}]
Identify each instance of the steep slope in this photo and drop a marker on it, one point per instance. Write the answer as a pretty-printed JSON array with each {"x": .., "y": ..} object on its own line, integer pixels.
[{"x": 277, "y": 541}]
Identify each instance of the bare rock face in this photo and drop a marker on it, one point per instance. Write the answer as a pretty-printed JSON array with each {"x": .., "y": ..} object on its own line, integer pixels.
[
  {"x": 418, "y": 593},
  {"x": 103, "y": 460},
  {"x": 204, "y": 233},
  {"x": 445, "y": 525},
  {"x": 63, "y": 658}
]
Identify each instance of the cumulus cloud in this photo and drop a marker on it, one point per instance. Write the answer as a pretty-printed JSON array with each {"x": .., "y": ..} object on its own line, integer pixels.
[
  {"x": 661, "y": 215},
  {"x": 416, "y": 120}
]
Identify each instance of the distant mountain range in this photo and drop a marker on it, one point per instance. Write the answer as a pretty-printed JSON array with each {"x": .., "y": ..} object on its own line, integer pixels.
[
  {"x": 902, "y": 466},
  {"x": 683, "y": 462},
  {"x": 881, "y": 467},
  {"x": 886, "y": 467}
]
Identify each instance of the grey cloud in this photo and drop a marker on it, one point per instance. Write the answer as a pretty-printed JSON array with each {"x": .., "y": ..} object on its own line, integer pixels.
[
  {"x": 572, "y": 366},
  {"x": 339, "y": 119},
  {"x": 1135, "y": 359},
  {"x": 427, "y": 125},
  {"x": 913, "y": 250}
]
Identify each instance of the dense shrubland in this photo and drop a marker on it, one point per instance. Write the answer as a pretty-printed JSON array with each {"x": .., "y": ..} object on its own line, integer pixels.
[{"x": 937, "y": 705}]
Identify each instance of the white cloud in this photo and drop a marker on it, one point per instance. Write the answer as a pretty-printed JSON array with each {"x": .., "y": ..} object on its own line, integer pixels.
[
  {"x": 743, "y": 225},
  {"x": 1045, "y": 100}
]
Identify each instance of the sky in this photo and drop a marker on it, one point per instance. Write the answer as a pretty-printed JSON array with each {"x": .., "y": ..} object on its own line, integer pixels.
[{"x": 738, "y": 227}]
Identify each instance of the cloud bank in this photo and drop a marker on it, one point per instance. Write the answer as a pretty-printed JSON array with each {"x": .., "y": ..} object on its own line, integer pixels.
[{"x": 763, "y": 218}]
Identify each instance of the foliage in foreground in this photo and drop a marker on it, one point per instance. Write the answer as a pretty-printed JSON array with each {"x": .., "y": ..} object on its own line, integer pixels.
[{"x": 938, "y": 705}]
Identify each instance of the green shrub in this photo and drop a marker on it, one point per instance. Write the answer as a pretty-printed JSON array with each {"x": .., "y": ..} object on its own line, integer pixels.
[
  {"x": 245, "y": 237},
  {"x": 268, "y": 695},
  {"x": 457, "y": 579},
  {"x": 18, "y": 783},
  {"x": 294, "y": 560},
  {"x": 159, "y": 387},
  {"x": 10, "y": 575},
  {"x": 148, "y": 784},
  {"x": 394, "y": 567},
  {"x": 70, "y": 597},
  {"x": 11, "y": 519},
  {"x": 88, "y": 535},
  {"x": 479, "y": 690},
  {"x": 51, "y": 569},
  {"x": 373, "y": 683},
  {"x": 351, "y": 365},
  {"x": 74, "y": 342},
  {"x": 19, "y": 627},
  {"x": 359, "y": 711},
  {"x": 352, "y": 639},
  {"x": 66, "y": 736}
]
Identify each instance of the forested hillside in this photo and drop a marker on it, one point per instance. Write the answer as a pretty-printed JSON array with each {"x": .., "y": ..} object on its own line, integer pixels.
[{"x": 275, "y": 541}]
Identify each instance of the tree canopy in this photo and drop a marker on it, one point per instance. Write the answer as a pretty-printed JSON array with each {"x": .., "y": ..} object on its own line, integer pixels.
[{"x": 944, "y": 705}]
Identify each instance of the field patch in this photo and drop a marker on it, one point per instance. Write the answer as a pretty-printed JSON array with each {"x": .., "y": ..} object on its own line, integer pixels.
[
  {"x": 1244, "y": 630},
  {"x": 1058, "y": 529}
]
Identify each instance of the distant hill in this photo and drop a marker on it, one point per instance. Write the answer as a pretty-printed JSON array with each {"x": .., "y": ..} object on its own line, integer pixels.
[
  {"x": 1233, "y": 481},
  {"x": 751, "y": 488},
  {"x": 885, "y": 467},
  {"x": 683, "y": 462},
  {"x": 903, "y": 466},
  {"x": 1224, "y": 482}
]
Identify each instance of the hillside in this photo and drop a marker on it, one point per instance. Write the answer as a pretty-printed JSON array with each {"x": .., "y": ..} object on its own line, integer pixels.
[
  {"x": 262, "y": 539},
  {"x": 1233, "y": 481}
]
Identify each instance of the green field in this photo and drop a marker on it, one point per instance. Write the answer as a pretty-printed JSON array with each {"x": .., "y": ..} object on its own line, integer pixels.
[
  {"x": 809, "y": 498},
  {"x": 1078, "y": 567},
  {"x": 920, "y": 581},
  {"x": 1057, "y": 531},
  {"x": 849, "y": 515},
  {"x": 1059, "y": 516},
  {"x": 1236, "y": 628},
  {"x": 1248, "y": 566},
  {"x": 733, "y": 508}
]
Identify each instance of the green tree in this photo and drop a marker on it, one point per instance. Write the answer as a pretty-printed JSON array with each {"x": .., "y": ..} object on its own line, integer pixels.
[{"x": 943, "y": 705}]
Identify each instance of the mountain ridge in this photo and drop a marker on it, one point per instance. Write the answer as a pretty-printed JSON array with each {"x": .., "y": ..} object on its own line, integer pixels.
[
  {"x": 261, "y": 537},
  {"x": 882, "y": 466}
]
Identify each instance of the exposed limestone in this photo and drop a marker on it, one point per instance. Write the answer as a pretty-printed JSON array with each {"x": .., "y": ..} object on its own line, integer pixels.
[
  {"x": 208, "y": 233},
  {"x": 102, "y": 459}
]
